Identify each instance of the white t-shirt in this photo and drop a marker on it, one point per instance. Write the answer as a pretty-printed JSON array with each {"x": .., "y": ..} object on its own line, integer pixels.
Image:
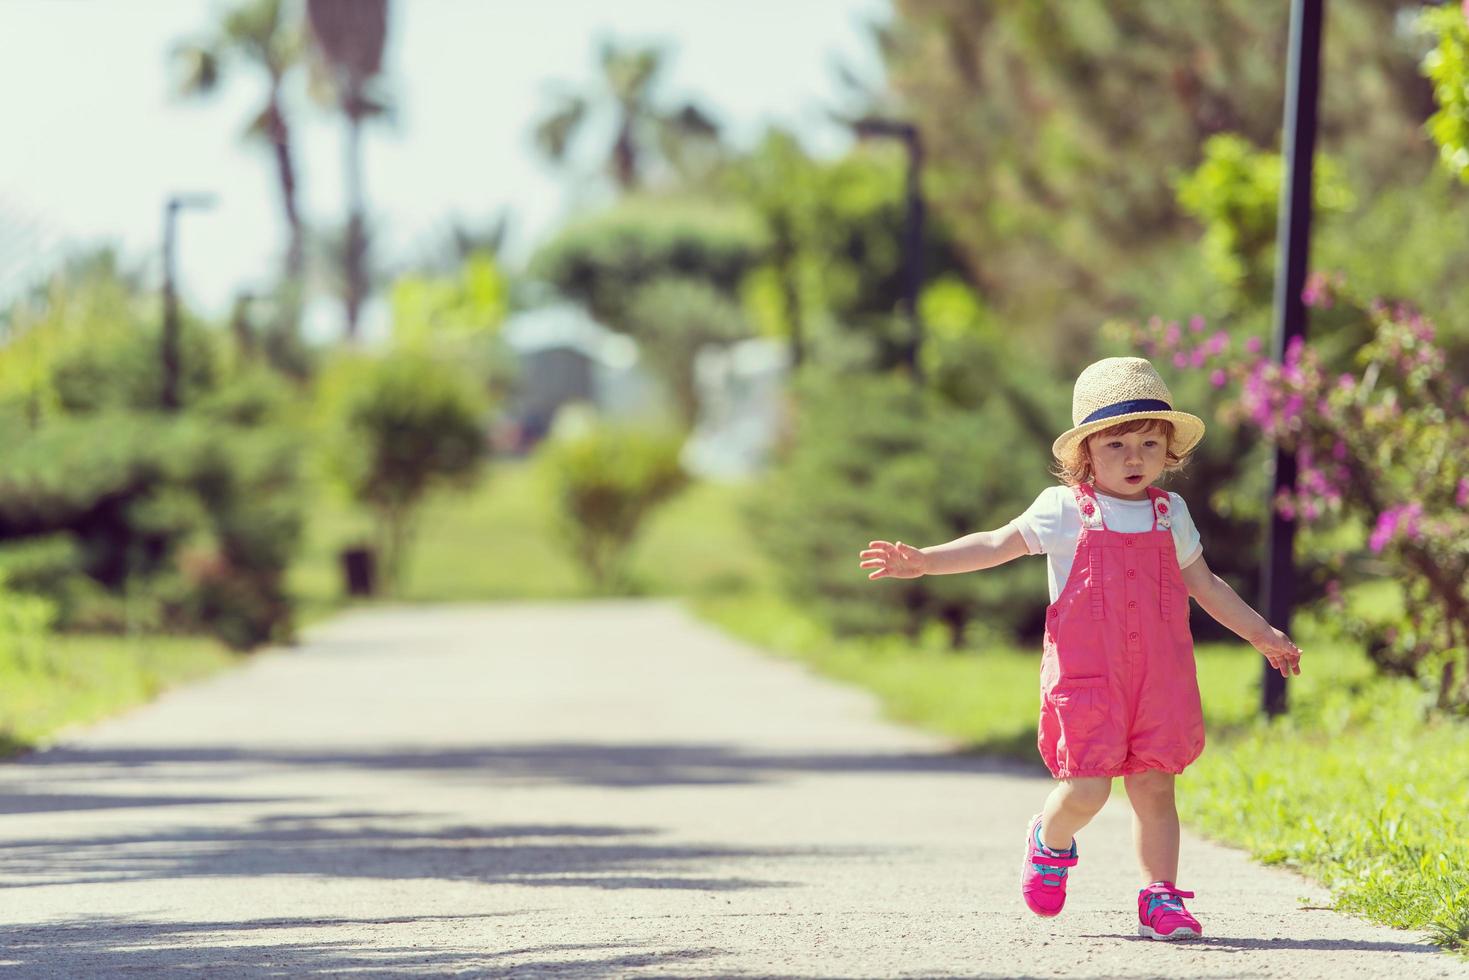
[{"x": 1051, "y": 525}]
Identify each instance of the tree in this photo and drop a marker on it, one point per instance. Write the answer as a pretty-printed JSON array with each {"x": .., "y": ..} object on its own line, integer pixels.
[
  {"x": 265, "y": 35},
  {"x": 685, "y": 137},
  {"x": 350, "y": 36},
  {"x": 1055, "y": 127}
]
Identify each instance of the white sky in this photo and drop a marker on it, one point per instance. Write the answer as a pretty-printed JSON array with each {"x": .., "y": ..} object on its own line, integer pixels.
[{"x": 94, "y": 141}]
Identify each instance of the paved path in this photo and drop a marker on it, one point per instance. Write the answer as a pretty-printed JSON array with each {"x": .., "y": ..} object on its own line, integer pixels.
[{"x": 581, "y": 791}]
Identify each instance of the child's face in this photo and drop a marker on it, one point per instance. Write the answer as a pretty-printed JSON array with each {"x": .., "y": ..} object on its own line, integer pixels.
[{"x": 1126, "y": 465}]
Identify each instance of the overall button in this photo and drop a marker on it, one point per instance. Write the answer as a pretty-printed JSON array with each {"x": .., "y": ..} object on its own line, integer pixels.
[
  {"x": 1132, "y": 604},
  {"x": 1132, "y": 573},
  {"x": 1130, "y": 542},
  {"x": 1132, "y": 636}
]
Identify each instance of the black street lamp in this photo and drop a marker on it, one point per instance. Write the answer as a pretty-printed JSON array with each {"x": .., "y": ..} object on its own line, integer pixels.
[
  {"x": 169, "y": 346},
  {"x": 1293, "y": 248},
  {"x": 869, "y": 127}
]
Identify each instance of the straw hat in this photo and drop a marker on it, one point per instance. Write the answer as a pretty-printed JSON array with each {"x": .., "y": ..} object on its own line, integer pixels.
[{"x": 1120, "y": 389}]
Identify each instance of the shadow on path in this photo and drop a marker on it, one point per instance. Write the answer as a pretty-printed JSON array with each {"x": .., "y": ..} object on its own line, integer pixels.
[
  {"x": 107, "y": 946},
  {"x": 351, "y": 847},
  {"x": 633, "y": 765}
]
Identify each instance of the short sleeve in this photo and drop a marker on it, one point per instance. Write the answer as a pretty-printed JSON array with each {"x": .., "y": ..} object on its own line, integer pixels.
[
  {"x": 1185, "y": 533},
  {"x": 1040, "y": 525}
]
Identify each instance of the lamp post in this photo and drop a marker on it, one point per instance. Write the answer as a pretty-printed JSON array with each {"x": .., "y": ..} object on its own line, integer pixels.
[
  {"x": 169, "y": 346},
  {"x": 869, "y": 127},
  {"x": 1293, "y": 251}
]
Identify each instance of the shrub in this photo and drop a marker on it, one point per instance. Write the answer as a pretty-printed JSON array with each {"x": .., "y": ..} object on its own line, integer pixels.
[
  {"x": 876, "y": 457},
  {"x": 396, "y": 428},
  {"x": 130, "y": 490},
  {"x": 606, "y": 481},
  {"x": 25, "y": 621},
  {"x": 1381, "y": 438}
]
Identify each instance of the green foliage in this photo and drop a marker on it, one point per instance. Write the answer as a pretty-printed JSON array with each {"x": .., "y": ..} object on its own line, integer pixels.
[
  {"x": 875, "y": 457},
  {"x": 396, "y": 427},
  {"x": 603, "y": 260},
  {"x": 458, "y": 318},
  {"x": 1235, "y": 194},
  {"x": 184, "y": 521},
  {"x": 675, "y": 319},
  {"x": 606, "y": 481},
  {"x": 90, "y": 343},
  {"x": 25, "y": 622},
  {"x": 833, "y": 275},
  {"x": 1446, "y": 65},
  {"x": 1369, "y": 246},
  {"x": 1055, "y": 129}
]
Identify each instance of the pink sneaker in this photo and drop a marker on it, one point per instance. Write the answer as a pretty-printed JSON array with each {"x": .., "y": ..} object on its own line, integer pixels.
[
  {"x": 1162, "y": 915},
  {"x": 1043, "y": 875}
]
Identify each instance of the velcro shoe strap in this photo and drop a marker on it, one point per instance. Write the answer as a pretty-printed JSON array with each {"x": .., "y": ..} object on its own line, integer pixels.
[{"x": 1041, "y": 857}]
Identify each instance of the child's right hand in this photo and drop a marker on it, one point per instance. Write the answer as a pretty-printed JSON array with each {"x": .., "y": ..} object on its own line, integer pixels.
[{"x": 893, "y": 560}]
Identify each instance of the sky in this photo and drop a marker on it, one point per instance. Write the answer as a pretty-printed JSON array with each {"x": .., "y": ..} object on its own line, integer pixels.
[{"x": 96, "y": 141}]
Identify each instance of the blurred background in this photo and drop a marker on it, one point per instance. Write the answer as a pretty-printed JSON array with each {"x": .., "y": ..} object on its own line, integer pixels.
[{"x": 312, "y": 302}]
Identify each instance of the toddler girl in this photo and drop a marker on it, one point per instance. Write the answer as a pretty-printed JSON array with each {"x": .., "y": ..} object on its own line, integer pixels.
[{"x": 1119, "y": 696}]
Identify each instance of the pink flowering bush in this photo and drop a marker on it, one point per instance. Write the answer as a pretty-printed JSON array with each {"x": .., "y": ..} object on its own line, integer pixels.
[{"x": 1381, "y": 436}]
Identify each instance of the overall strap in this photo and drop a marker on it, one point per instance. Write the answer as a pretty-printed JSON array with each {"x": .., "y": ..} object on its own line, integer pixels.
[
  {"x": 1090, "y": 507},
  {"x": 1091, "y": 520},
  {"x": 1163, "y": 521},
  {"x": 1162, "y": 510}
]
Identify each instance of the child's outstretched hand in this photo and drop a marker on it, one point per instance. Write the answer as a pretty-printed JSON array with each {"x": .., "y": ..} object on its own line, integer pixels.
[
  {"x": 893, "y": 560},
  {"x": 1283, "y": 655}
]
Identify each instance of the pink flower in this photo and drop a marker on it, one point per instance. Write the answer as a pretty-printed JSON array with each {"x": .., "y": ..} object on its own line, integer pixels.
[
  {"x": 1317, "y": 291},
  {"x": 1218, "y": 378},
  {"x": 1403, "y": 519},
  {"x": 1171, "y": 335},
  {"x": 1198, "y": 357},
  {"x": 1462, "y": 497},
  {"x": 1254, "y": 345},
  {"x": 1196, "y": 323},
  {"x": 1180, "y": 360}
]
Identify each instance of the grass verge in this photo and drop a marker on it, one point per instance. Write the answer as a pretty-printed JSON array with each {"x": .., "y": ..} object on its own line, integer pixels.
[
  {"x": 1357, "y": 787},
  {"x": 72, "y": 680}
]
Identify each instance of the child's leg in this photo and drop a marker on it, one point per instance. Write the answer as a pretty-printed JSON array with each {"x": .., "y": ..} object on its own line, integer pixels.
[
  {"x": 1070, "y": 807},
  {"x": 1154, "y": 824}
]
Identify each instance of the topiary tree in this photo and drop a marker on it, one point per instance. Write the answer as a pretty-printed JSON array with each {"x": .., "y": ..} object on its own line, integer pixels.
[
  {"x": 397, "y": 427},
  {"x": 606, "y": 481}
]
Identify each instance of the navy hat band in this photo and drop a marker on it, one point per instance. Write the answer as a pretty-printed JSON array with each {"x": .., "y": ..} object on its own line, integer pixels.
[{"x": 1127, "y": 408}]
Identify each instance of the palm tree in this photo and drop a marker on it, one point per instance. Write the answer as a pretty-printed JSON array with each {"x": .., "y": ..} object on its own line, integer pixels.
[
  {"x": 681, "y": 135},
  {"x": 258, "y": 33},
  {"x": 351, "y": 35}
]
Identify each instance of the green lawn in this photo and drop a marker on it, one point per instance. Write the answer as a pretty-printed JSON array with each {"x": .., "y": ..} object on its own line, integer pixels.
[
  {"x": 500, "y": 541},
  {"x": 73, "y": 680},
  {"x": 1354, "y": 787}
]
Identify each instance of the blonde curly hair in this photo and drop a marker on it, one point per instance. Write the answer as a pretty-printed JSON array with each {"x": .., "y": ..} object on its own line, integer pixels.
[{"x": 1077, "y": 469}]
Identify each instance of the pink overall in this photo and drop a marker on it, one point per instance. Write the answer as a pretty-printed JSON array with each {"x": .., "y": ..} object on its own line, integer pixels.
[{"x": 1119, "y": 693}]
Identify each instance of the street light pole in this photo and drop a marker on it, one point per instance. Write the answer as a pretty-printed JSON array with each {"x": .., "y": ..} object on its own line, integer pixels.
[
  {"x": 169, "y": 345},
  {"x": 1293, "y": 248},
  {"x": 913, "y": 228}
]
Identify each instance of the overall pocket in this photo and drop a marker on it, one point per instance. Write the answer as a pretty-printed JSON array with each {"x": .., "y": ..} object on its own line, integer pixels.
[{"x": 1080, "y": 704}]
